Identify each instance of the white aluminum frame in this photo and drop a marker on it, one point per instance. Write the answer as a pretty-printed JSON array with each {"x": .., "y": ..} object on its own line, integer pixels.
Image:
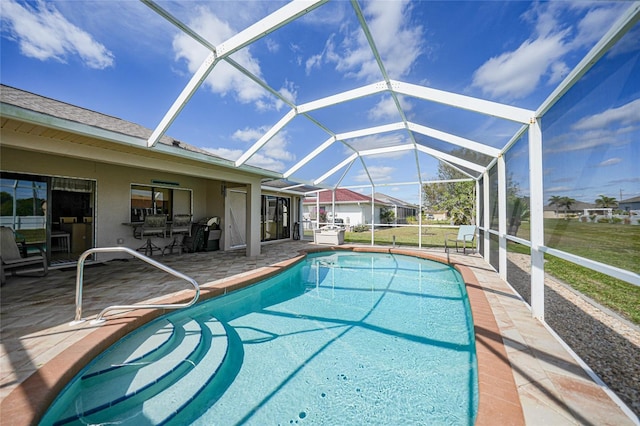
[{"x": 530, "y": 120}]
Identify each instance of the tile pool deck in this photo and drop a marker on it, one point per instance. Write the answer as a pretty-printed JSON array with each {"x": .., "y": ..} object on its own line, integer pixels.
[{"x": 526, "y": 376}]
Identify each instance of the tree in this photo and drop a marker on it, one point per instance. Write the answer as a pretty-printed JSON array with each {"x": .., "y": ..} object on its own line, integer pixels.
[
  {"x": 566, "y": 202},
  {"x": 555, "y": 201},
  {"x": 6, "y": 204},
  {"x": 560, "y": 202},
  {"x": 457, "y": 199},
  {"x": 387, "y": 215},
  {"x": 605, "y": 202}
]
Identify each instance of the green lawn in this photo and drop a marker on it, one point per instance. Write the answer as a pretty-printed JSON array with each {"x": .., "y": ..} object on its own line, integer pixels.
[
  {"x": 405, "y": 236},
  {"x": 614, "y": 244}
]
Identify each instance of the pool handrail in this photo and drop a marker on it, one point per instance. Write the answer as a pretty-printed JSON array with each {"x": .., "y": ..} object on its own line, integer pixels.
[{"x": 100, "y": 318}]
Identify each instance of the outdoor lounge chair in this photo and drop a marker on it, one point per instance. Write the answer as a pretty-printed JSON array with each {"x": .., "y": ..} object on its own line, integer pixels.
[
  {"x": 465, "y": 239},
  {"x": 11, "y": 258},
  {"x": 153, "y": 225}
]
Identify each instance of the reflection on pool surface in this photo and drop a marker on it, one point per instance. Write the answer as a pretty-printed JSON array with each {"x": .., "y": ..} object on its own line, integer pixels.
[{"x": 339, "y": 338}]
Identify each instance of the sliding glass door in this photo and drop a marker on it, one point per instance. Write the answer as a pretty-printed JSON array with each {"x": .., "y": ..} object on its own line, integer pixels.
[
  {"x": 275, "y": 218},
  {"x": 52, "y": 214}
]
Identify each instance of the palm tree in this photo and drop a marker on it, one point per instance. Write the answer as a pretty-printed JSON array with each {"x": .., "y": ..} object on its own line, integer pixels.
[
  {"x": 387, "y": 216},
  {"x": 605, "y": 201},
  {"x": 566, "y": 202},
  {"x": 555, "y": 201}
]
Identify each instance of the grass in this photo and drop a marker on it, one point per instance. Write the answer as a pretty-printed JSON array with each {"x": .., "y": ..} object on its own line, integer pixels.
[
  {"x": 404, "y": 236},
  {"x": 615, "y": 294},
  {"x": 613, "y": 244}
]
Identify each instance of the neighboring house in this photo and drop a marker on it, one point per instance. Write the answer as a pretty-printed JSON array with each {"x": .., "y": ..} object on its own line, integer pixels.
[
  {"x": 350, "y": 206},
  {"x": 74, "y": 179},
  {"x": 401, "y": 209},
  {"x": 630, "y": 204},
  {"x": 577, "y": 209},
  {"x": 436, "y": 215}
]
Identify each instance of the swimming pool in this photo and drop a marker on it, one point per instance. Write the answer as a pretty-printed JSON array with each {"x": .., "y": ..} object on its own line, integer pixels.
[{"x": 340, "y": 338}]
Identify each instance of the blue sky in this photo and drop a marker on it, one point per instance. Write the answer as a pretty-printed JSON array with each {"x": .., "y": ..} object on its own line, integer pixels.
[{"x": 122, "y": 59}]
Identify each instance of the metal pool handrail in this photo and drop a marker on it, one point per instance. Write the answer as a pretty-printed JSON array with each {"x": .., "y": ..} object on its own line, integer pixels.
[{"x": 99, "y": 318}]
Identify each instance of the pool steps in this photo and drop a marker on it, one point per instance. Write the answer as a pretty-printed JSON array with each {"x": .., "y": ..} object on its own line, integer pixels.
[{"x": 167, "y": 366}]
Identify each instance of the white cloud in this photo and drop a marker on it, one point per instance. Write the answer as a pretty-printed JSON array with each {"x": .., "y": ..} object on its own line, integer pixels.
[
  {"x": 314, "y": 61},
  {"x": 540, "y": 59},
  {"x": 289, "y": 92},
  {"x": 399, "y": 44},
  {"x": 272, "y": 46},
  {"x": 278, "y": 148},
  {"x": 248, "y": 134},
  {"x": 517, "y": 74},
  {"x": 558, "y": 189},
  {"x": 381, "y": 140},
  {"x": 272, "y": 155},
  {"x": 610, "y": 129},
  {"x": 593, "y": 26},
  {"x": 258, "y": 160},
  {"x": 576, "y": 141},
  {"x": 224, "y": 79},
  {"x": 43, "y": 33},
  {"x": 625, "y": 115},
  {"x": 610, "y": 162},
  {"x": 559, "y": 70},
  {"x": 386, "y": 108},
  {"x": 396, "y": 41},
  {"x": 229, "y": 154},
  {"x": 377, "y": 173},
  {"x": 268, "y": 163}
]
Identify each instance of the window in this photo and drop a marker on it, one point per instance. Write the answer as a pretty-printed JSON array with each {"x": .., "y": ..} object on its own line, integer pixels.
[
  {"x": 147, "y": 200},
  {"x": 23, "y": 203}
]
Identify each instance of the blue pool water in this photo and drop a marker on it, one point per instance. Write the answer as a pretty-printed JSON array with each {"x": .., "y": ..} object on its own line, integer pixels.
[{"x": 338, "y": 339}]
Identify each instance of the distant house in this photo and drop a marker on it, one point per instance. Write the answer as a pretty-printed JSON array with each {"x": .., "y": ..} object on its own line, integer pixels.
[
  {"x": 436, "y": 215},
  {"x": 577, "y": 209},
  {"x": 351, "y": 207},
  {"x": 401, "y": 209},
  {"x": 630, "y": 204}
]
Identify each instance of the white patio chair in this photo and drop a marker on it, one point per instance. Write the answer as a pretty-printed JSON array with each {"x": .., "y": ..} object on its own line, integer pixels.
[{"x": 465, "y": 238}]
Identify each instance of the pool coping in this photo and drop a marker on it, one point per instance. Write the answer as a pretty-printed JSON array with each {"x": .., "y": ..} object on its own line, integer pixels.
[{"x": 499, "y": 402}]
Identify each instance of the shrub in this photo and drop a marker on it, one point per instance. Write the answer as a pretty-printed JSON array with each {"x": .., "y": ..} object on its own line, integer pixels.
[
  {"x": 360, "y": 228},
  {"x": 603, "y": 220},
  {"x": 616, "y": 220}
]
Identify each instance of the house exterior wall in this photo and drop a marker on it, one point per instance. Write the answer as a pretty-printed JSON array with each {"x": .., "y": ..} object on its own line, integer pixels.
[
  {"x": 629, "y": 205},
  {"x": 114, "y": 172},
  {"x": 353, "y": 214},
  {"x": 402, "y": 213}
]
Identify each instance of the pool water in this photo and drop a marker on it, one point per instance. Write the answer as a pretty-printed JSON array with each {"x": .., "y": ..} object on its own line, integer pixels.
[{"x": 338, "y": 339}]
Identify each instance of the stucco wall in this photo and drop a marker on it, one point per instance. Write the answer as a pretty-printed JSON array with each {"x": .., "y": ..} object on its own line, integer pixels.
[{"x": 357, "y": 214}]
